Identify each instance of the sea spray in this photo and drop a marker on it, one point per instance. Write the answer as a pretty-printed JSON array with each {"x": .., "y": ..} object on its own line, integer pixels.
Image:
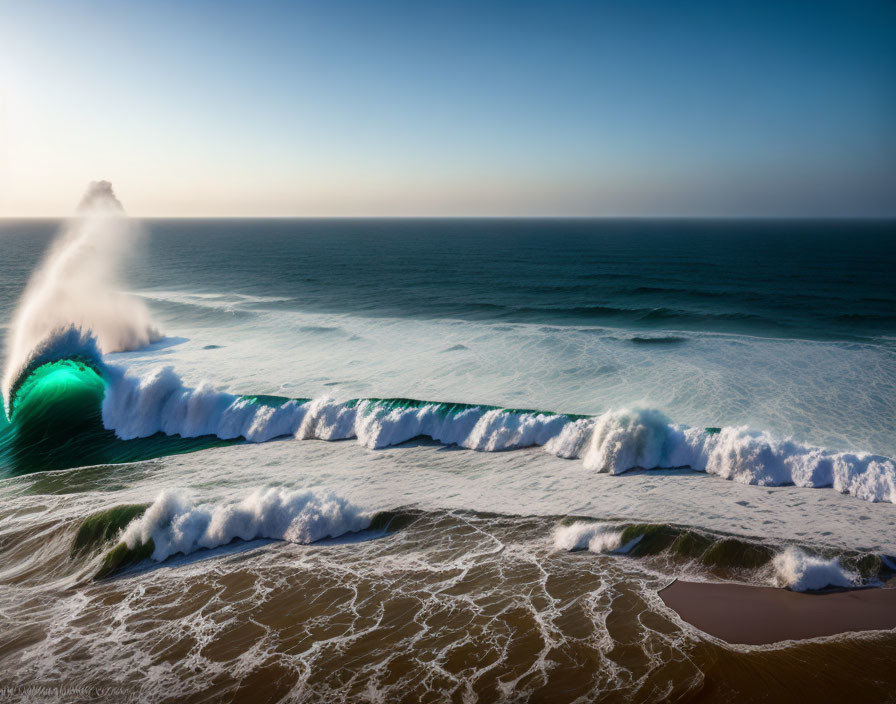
[
  {"x": 77, "y": 286},
  {"x": 591, "y": 536},
  {"x": 175, "y": 524},
  {"x": 802, "y": 572}
]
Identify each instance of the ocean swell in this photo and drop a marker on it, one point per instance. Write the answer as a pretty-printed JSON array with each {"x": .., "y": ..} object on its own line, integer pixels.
[
  {"x": 159, "y": 404},
  {"x": 614, "y": 442},
  {"x": 173, "y": 523}
]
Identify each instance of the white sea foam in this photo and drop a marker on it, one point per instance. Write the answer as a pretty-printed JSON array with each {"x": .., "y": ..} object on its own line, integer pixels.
[
  {"x": 646, "y": 439},
  {"x": 157, "y": 402},
  {"x": 591, "y": 536},
  {"x": 77, "y": 286},
  {"x": 176, "y": 524},
  {"x": 614, "y": 442},
  {"x": 802, "y": 572}
]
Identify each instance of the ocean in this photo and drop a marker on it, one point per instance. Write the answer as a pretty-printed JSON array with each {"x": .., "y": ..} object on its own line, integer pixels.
[{"x": 440, "y": 459}]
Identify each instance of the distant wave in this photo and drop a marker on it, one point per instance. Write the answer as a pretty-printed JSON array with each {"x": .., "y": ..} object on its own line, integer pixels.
[
  {"x": 659, "y": 340},
  {"x": 228, "y": 302},
  {"x": 656, "y": 315}
]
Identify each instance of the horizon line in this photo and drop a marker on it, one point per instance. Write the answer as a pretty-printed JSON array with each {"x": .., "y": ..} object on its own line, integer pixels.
[{"x": 888, "y": 216}]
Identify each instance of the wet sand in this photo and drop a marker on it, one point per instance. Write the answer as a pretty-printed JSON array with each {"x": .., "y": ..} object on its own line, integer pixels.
[{"x": 750, "y": 615}]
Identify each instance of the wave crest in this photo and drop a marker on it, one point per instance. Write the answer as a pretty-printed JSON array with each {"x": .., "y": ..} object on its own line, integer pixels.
[
  {"x": 174, "y": 524},
  {"x": 77, "y": 287},
  {"x": 614, "y": 442},
  {"x": 801, "y": 572}
]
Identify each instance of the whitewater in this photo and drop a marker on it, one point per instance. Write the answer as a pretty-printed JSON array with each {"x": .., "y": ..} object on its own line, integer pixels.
[
  {"x": 539, "y": 419},
  {"x": 76, "y": 286}
]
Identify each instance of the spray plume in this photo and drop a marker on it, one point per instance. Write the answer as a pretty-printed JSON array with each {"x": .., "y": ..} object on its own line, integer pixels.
[{"x": 76, "y": 288}]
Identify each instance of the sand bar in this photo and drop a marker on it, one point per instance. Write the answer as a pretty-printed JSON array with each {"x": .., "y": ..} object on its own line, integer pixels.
[{"x": 749, "y": 615}]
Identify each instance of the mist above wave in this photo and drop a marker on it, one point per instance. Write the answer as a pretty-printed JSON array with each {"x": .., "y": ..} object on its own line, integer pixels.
[{"x": 77, "y": 286}]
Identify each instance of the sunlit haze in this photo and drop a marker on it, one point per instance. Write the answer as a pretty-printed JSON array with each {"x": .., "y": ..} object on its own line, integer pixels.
[{"x": 504, "y": 108}]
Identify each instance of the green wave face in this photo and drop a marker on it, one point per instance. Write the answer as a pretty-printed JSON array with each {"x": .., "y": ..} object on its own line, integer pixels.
[
  {"x": 57, "y": 423},
  {"x": 99, "y": 528},
  {"x": 728, "y": 556}
]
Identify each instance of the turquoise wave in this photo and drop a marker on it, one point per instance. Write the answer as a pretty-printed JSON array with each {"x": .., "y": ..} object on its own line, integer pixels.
[{"x": 55, "y": 422}]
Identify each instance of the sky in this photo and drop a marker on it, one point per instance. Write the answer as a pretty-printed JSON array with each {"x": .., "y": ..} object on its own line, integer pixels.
[{"x": 370, "y": 108}]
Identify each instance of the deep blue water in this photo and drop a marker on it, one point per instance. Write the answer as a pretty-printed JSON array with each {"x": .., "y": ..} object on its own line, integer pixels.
[{"x": 804, "y": 279}]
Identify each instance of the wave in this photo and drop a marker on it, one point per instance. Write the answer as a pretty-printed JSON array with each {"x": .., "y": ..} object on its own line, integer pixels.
[
  {"x": 174, "y": 524},
  {"x": 615, "y": 442},
  {"x": 658, "y": 340},
  {"x": 226, "y": 302},
  {"x": 63, "y": 344},
  {"x": 159, "y": 406},
  {"x": 672, "y": 547},
  {"x": 76, "y": 287},
  {"x": 592, "y": 536},
  {"x": 55, "y": 413},
  {"x": 802, "y": 572},
  {"x": 102, "y": 527}
]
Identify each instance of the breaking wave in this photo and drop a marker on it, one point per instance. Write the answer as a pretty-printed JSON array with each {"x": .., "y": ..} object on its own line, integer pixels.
[
  {"x": 672, "y": 548},
  {"x": 76, "y": 287},
  {"x": 802, "y": 572},
  {"x": 174, "y": 524},
  {"x": 614, "y": 442},
  {"x": 158, "y": 405},
  {"x": 591, "y": 536}
]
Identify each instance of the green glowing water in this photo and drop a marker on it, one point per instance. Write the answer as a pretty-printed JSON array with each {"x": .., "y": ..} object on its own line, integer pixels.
[{"x": 57, "y": 423}]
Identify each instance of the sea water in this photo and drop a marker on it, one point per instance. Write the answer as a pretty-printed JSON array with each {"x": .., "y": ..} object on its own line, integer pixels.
[{"x": 539, "y": 418}]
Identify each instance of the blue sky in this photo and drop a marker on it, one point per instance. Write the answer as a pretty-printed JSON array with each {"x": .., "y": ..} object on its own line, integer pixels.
[{"x": 431, "y": 108}]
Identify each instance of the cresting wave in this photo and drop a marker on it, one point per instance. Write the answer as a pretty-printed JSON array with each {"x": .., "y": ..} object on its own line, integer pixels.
[
  {"x": 76, "y": 286},
  {"x": 176, "y": 524},
  {"x": 614, "y": 442},
  {"x": 158, "y": 404},
  {"x": 801, "y": 572},
  {"x": 725, "y": 556},
  {"x": 55, "y": 411}
]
